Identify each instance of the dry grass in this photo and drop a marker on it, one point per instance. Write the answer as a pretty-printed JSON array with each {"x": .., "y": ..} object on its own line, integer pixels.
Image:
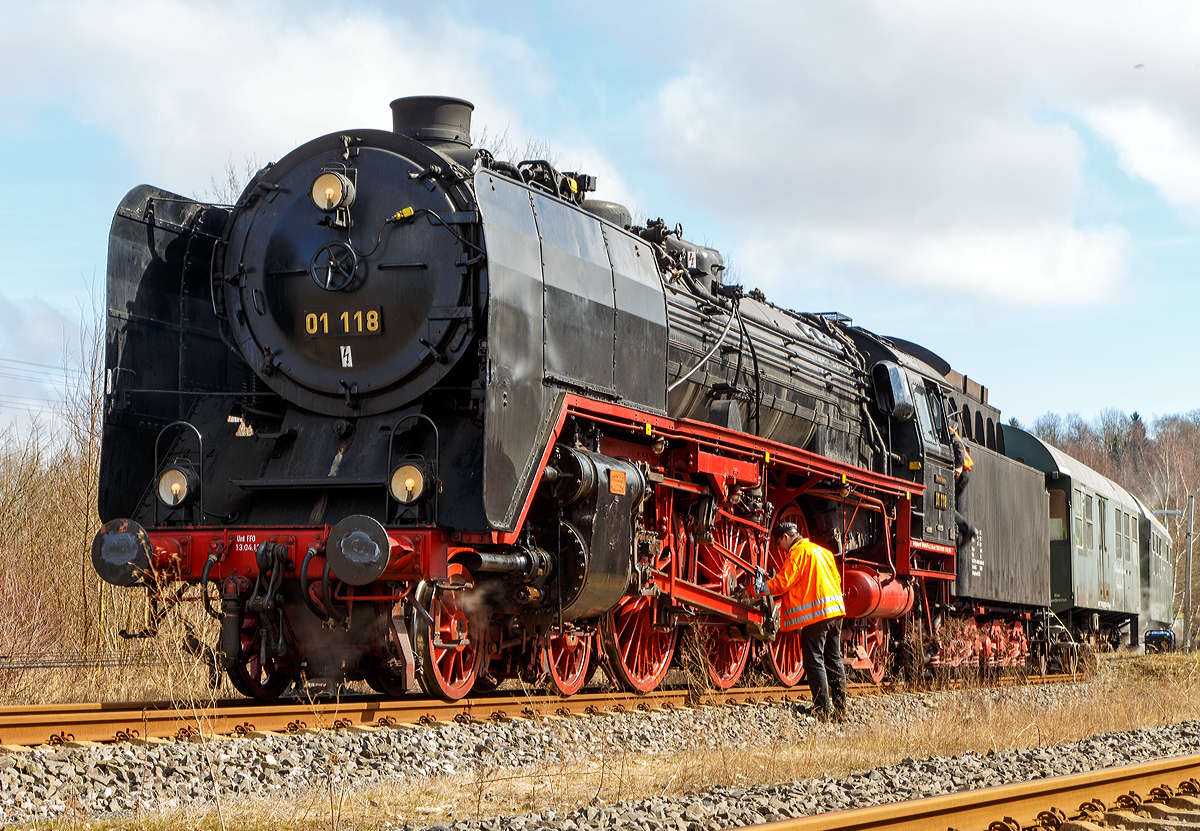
[
  {"x": 53, "y": 606},
  {"x": 1128, "y": 693}
]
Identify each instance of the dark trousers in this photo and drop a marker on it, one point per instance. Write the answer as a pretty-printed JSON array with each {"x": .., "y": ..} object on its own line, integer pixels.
[
  {"x": 966, "y": 531},
  {"x": 822, "y": 642}
]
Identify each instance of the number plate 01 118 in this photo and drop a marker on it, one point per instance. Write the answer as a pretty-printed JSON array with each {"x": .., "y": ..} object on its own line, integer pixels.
[{"x": 341, "y": 324}]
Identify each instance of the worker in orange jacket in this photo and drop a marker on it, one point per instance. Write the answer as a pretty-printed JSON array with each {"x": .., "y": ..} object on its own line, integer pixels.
[
  {"x": 810, "y": 589},
  {"x": 962, "y": 474}
]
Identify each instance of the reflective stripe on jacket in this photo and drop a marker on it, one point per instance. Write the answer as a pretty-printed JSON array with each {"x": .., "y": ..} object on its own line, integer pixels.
[{"x": 809, "y": 585}]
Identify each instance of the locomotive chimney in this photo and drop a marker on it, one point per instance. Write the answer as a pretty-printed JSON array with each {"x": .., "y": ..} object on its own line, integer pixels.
[{"x": 442, "y": 123}]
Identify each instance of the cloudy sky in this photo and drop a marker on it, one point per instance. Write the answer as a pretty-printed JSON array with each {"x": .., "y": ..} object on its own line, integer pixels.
[{"x": 1014, "y": 185}]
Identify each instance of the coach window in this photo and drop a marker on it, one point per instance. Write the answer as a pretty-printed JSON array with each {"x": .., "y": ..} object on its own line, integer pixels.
[
  {"x": 1122, "y": 532},
  {"x": 979, "y": 434},
  {"x": 965, "y": 420},
  {"x": 1128, "y": 542},
  {"x": 1078, "y": 518},
  {"x": 1089, "y": 526},
  {"x": 1058, "y": 515}
]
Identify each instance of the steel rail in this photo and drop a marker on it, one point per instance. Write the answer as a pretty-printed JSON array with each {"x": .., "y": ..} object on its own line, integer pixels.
[
  {"x": 1008, "y": 806},
  {"x": 30, "y": 725}
]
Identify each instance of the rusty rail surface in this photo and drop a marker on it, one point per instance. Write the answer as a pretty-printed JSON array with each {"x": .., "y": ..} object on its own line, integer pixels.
[
  {"x": 31, "y": 725},
  {"x": 1042, "y": 803}
]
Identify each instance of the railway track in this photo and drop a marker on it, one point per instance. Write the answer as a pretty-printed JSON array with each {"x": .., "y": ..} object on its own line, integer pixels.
[
  {"x": 1159, "y": 794},
  {"x": 58, "y": 724}
]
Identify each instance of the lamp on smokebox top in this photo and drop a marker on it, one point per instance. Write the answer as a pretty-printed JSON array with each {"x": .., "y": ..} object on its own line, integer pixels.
[
  {"x": 177, "y": 486},
  {"x": 332, "y": 190},
  {"x": 407, "y": 483}
]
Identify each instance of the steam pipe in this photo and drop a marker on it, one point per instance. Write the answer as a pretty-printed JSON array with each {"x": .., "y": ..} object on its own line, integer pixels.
[
  {"x": 711, "y": 352},
  {"x": 531, "y": 563},
  {"x": 208, "y": 607},
  {"x": 304, "y": 585},
  {"x": 327, "y": 596}
]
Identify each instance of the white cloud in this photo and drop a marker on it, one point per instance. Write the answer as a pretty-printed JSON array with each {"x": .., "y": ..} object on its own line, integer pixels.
[
  {"x": 185, "y": 86},
  {"x": 915, "y": 144},
  {"x": 1156, "y": 146},
  {"x": 907, "y": 143},
  {"x": 1057, "y": 265}
]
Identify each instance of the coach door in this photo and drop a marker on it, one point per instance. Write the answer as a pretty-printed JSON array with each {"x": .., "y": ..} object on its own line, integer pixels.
[
  {"x": 1117, "y": 598},
  {"x": 1128, "y": 582},
  {"x": 1104, "y": 564}
]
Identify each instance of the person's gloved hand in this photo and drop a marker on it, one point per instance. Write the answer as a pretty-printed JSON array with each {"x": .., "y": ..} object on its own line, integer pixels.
[{"x": 760, "y": 581}]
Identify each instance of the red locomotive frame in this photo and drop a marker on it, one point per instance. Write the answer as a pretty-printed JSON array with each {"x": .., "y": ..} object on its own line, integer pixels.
[{"x": 687, "y": 578}]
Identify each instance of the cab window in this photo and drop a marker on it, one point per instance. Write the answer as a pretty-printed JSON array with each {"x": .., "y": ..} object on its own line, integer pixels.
[{"x": 930, "y": 415}]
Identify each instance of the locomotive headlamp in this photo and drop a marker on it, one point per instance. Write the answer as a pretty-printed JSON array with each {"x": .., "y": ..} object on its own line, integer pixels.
[
  {"x": 177, "y": 486},
  {"x": 331, "y": 191},
  {"x": 407, "y": 484}
]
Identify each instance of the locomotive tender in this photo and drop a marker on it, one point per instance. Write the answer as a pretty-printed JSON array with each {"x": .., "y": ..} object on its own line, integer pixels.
[{"x": 399, "y": 414}]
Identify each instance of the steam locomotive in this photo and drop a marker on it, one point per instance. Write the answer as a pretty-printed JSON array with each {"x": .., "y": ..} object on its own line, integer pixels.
[{"x": 399, "y": 414}]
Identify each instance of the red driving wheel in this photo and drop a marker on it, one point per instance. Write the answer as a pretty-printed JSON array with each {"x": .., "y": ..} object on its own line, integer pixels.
[
  {"x": 785, "y": 655},
  {"x": 877, "y": 649},
  {"x": 567, "y": 660},
  {"x": 725, "y": 649},
  {"x": 451, "y": 641},
  {"x": 638, "y": 654}
]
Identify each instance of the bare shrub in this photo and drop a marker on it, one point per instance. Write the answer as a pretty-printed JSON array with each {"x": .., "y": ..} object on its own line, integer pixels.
[
  {"x": 60, "y": 625},
  {"x": 227, "y": 189}
]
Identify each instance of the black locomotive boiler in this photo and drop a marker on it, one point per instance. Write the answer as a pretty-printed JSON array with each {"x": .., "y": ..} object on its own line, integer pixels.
[{"x": 409, "y": 412}]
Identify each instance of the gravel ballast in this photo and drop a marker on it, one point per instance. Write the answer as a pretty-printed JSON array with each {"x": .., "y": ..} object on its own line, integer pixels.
[{"x": 122, "y": 778}]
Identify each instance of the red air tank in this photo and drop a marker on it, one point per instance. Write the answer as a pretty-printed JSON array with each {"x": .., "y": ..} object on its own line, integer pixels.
[{"x": 869, "y": 594}]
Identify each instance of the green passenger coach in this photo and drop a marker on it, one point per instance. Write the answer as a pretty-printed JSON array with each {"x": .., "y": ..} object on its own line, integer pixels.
[
  {"x": 1107, "y": 550},
  {"x": 1157, "y": 572}
]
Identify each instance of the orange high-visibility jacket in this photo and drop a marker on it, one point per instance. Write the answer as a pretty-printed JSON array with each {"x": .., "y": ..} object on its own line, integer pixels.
[
  {"x": 960, "y": 446},
  {"x": 809, "y": 584}
]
